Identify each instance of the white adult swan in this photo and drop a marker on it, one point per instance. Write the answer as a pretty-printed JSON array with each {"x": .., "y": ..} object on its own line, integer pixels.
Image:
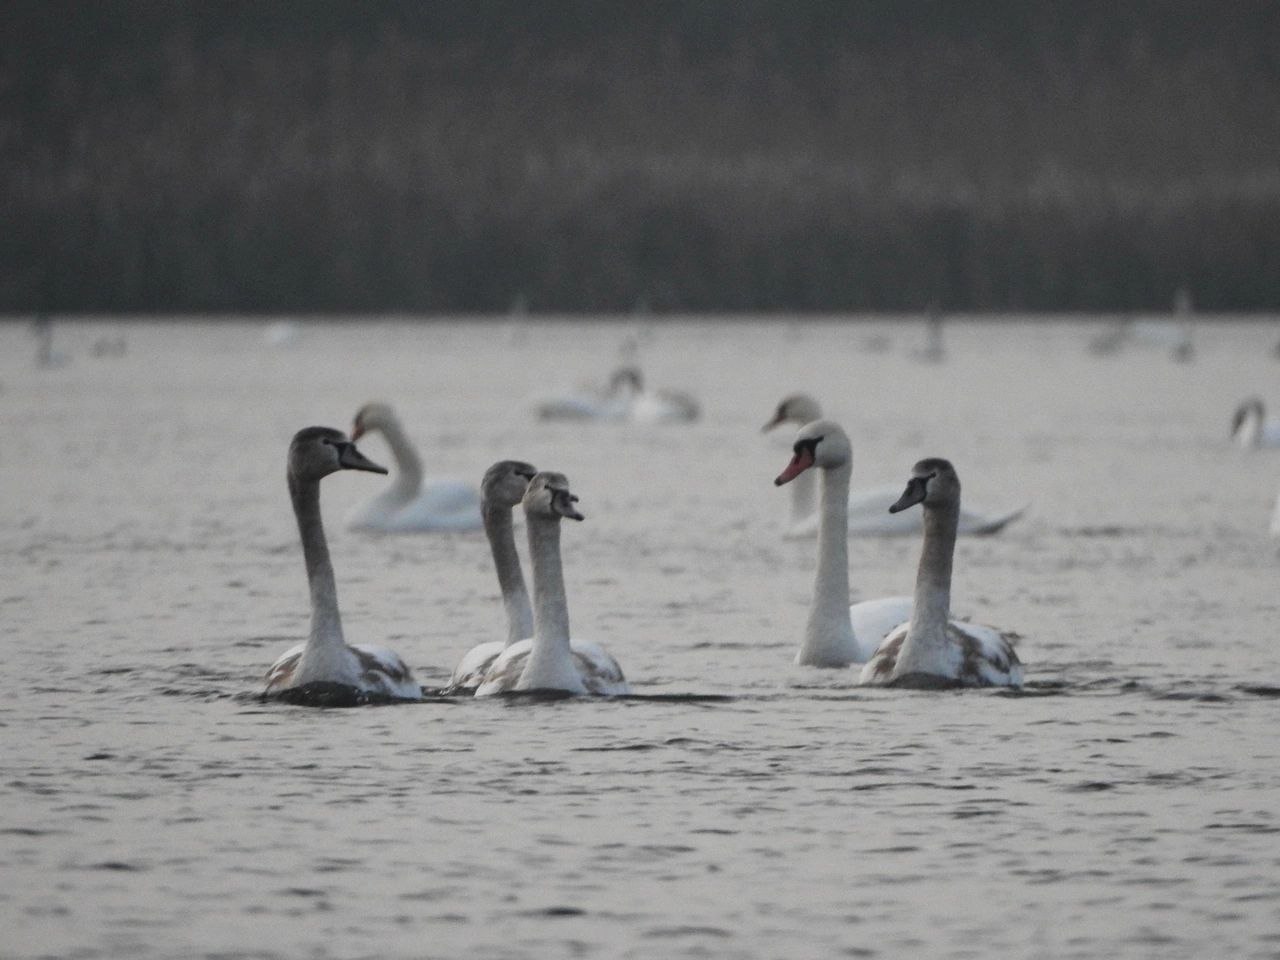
[
  {"x": 868, "y": 509},
  {"x": 549, "y": 661},
  {"x": 624, "y": 400},
  {"x": 410, "y": 504},
  {"x": 501, "y": 489},
  {"x": 836, "y": 634},
  {"x": 1251, "y": 428},
  {"x": 931, "y": 649},
  {"x": 325, "y": 657}
]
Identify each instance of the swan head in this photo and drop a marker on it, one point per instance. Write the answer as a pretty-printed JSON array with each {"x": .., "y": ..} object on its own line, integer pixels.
[
  {"x": 794, "y": 408},
  {"x": 1250, "y": 411},
  {"x": 317, "y": 452},
  {"x": 626, "y": 379},
  {"x": 372, "y": 416},
  {"x": 549, "y": 497},
  {"x": 933, "y": 482},
  {"x": 818, "y": 444},
  {"x": 505, "y": 482}
]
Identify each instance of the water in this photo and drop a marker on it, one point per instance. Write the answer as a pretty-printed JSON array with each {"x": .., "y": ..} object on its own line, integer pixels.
[{"x": 1124, "y": 805}]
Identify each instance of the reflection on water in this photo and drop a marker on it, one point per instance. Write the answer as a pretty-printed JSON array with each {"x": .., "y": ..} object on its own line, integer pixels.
[{"x": 154, "y": 804}]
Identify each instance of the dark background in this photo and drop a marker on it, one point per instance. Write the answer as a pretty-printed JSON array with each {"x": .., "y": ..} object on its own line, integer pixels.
[{"x": 317, "y": 156}]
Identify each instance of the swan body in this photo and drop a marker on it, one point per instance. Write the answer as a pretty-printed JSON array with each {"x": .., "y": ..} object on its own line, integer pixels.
[
  {"x": 869, "y": 508},
  {"x": 549, "y": 660},
  {"x": 932, "y": 649},
  {"x": 411, "y": 504},
  {"x": 325, "y": 656},
  {"x": 625, "y": 400},
  {"x": 1252, "y": 428},
  {"x": 837, "y": 634}
]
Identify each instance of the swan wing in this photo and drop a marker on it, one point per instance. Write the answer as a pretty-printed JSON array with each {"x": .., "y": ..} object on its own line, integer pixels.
[
  {"x": 382, "y": 671},
  {"x": 475, "y": 663},
  {"x": 979, "y": 656},
  {"x": 280, "y": 675},
  {"x": 874, "y": 620}
]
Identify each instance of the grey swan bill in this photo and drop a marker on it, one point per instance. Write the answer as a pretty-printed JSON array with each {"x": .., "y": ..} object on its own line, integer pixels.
[
  {"x": 413, "y": 503},
  {"x": 933, "y": 650},
  {"x": 868, "y": 508},
  {"x": 550, "y": 660},
  {"x": 325, "y": 656},
  {"x": 836, "y": 633}
]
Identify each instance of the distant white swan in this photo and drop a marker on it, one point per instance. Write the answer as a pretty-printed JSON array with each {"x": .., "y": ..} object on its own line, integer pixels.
[
  {"x": 931, "y": 649},
  {"x": 624, "y": 400},
  {"x": 836, "y": 633},
  {"x": 550, "y": 661},
  {"x": 503, "y": 487},
  {"x": 325, "y": 657},
  {"x": 868, "y": 508},
  {"x": 1252, "y": 428},
  {"x": 410, "y": 504}
]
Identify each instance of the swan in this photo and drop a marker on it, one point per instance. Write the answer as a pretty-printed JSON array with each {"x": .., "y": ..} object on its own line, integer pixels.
[
  {"x": 624, "y": 400},
  {"x": 549, "y": 661},
  {"x": 501, "y": 489},
  {"x": 410, "y": 504},
  {"x": 931, "y": 649},
  {"x": 869, "y": 508},
  {"x": 836, "y": 634},
  {"x": 1251, "y": 428},
  {"x": 325, "y": 657}
]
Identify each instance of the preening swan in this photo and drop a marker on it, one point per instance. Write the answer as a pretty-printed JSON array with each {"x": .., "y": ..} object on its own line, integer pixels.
[
  {"x": 325, "y": 657},
  {"x": 868, "y": 509},
  {"x": 501, "y": 489},
  {"x": 931, "y": 649},
  {"x": 549, "y": 661},
  {"x": 836, "y": 633},
  {"x": 1251, "y": 428},
  {"x": 410, "y": 504},
  {"x": 624, "y": 400}
]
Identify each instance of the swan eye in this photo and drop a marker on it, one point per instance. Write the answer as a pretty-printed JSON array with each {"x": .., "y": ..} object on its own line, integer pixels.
[{"x": 809, "y": 444}]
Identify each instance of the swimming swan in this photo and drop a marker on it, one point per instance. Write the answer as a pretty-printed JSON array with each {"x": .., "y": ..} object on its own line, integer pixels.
[
  {"x": 410, "y": 504},
  {"x": 549, "y": 661},
  {"x": 868, "y": 509},
  {"x": 315, "y": 453},
  {"x": 931, "y": 649},
  {"x": 1250, "y": 427},
  {"x": 836, "y": 634},
  {"x": 624, "y": 400},
  {"x": 501, "y": 489}
]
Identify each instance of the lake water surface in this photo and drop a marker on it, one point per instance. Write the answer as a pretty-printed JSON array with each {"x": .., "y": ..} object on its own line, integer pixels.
[{"x": 1125, "y": 804}]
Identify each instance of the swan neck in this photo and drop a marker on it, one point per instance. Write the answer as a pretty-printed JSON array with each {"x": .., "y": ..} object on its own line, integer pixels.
[
  {"x": 932, "y": 608},
  {"x": 550, "y": 607},
  {"x": 408, "y": 464},
  {"x": 831, "y": 587},
  {"x": 326, "y": 623},
  {"x": 803, "y": 490},
  {"x": 500, "y": 530}
]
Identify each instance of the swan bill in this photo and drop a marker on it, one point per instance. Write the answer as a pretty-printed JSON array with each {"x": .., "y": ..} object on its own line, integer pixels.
[
  {"x": 352, "y": 459},
  {"x": 917, "y": 489},
  {"x": 801, "y": 462}
]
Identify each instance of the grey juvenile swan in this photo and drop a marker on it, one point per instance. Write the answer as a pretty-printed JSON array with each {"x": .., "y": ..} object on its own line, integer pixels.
[
  {"x": 549, "y": 660},
  {"x": 931, "y": 649},
  {"x": 325, "y": 657}
]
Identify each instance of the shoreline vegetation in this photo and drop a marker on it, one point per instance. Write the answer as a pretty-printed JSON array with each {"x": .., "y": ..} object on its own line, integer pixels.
[{"x": 397, "y": 156}]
